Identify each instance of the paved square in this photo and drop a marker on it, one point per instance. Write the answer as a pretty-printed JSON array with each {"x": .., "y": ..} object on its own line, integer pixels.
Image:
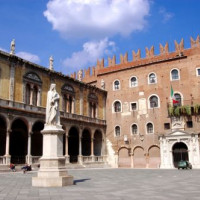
[{"x": 108, "y": 184}]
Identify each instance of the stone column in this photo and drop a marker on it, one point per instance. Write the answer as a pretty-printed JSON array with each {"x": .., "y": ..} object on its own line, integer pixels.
[
  {"x": 80, "y": 157},
  {"x": 12, "y": 81},
  {"x": 66, "y": 146},
  {"x": 31, "y": 95},
  {"x": 7, "y": 155},
  {"x": 73, "y": 105},
  {"x": 81, "y": 101},
  {"x": 92, "y": 145},
  {"x": 38, "y": 96},
  {"x": 29, "y": 157}
]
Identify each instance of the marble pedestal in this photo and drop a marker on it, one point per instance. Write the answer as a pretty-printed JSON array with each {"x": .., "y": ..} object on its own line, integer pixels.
[{"x": 52, "y": 172}]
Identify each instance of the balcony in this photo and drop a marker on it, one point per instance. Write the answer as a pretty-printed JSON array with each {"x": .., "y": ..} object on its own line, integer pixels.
[{"x": 41, "y": 110}]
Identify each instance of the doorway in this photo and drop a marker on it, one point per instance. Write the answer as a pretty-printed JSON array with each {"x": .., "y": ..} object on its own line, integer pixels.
[{"x": 180, "y": 152}]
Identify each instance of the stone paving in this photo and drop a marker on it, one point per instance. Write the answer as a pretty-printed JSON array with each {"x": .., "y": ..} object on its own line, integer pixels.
[{"x": 108, "y": 184}]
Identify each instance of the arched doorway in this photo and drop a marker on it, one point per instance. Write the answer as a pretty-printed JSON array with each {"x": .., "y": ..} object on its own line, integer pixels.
[
  {"x": 86, "y": 143},
  {"x": 124, "y": 158},
  {"x": 2, "y": 136},
  {"x": 73, "y": 145},
  {"x": 37, "y": 139},
  {"x": 97, "y": 143},
  {"x": 139, "y": 160},
  {"x": 18, "y": 142},
  {"x": 180, "y": 152},
  {"x": 154, "y": 157}
]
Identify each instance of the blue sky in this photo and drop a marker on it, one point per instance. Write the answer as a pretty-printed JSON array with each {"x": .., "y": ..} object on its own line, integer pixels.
[{"x": 78, "y": 32}]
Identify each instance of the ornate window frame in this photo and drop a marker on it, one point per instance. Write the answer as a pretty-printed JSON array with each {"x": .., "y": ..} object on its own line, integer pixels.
[
  {"x": 34, "y": 80},
  {"x": 113, "y": 106},
  {"x": 114, "y": 86},
  {"x": 149, "y": 104},
  {"x": 130, "y": 82},
  {"x": 131, "y": 130},
  {"x": 155, "y": 79},
  {"x": 147, "y": 128},
  {"x": 115, "y": 135},
  {"x": 171, "y": 77}
]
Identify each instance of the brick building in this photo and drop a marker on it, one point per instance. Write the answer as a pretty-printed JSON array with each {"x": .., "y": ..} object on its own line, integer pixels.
[{"x": 145, "y": 129}]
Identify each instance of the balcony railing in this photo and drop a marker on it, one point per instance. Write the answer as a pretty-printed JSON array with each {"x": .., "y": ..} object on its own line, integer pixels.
[{"x": 42, "y": 110}]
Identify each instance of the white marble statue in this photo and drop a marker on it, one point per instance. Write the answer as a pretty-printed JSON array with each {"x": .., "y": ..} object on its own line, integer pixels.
[
  {"x": 51, "y": 63},
  {"x": 12, "y": 47},
  {"x": 52, "y": 107}
]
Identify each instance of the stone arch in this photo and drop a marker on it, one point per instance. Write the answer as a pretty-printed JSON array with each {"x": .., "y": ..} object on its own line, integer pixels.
[
  {"x": 73, "y": 144},
  {"x": 98, "y": 143},
  {"x": 179, "y": 152},
  {"x": 19, "y": 141},
  {"x": 139, "y": 160},
  {"x": 86, "y": 142},
  {"x": 154, "y": 156},
  {"x": 3, "y": 130},
  {"x": 124, "y": 159},
  {"x": 37, "y": 138}
]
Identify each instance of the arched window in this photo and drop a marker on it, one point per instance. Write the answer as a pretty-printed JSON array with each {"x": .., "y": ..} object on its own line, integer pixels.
[
  {"x": 153, "y": 102},
  {"x": 175, "y": 74},
  {"x": 149, "y": 128},
  {"x": 117, "y": 106},
  {"x": 32, "y": 89},
  {"x": 68, "y": 95},
  {"x": 152, "y": 78},
  {"x": 117, "y": 131},
  {"x": 116, "y": 85},
  {"x": 134, "y": 129},
  {"x": 178, "y": 99},
  {"x": 133, "y": 82},
  {"x": 35, "y": 93},
  {"x": 93, "y": 105}
]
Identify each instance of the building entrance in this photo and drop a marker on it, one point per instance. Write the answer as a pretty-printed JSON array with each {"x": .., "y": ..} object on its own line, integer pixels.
[
  {"x": 18, "y": 142},
  {"x": 73, "y": 145},
  {"x": 180, "y": 152}
]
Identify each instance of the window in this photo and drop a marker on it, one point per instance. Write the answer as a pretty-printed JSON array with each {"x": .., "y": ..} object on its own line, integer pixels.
[
  {"x": 134, "y": 129},
  {"x": 174, "y": 74},
  {"x": 152, "y": 78},
  {"x": 32, "y": 89},
  {"x": 68, "y": 95},
  {"x": 117, "y": 106},
  {"x": 166, "y": 126},
  {"x": 178, "y": 99},
  {"x": 116, "y": 85},
  {"x": 198, "y": 71},
  {"x": 133, "y": 106},
  {"x": 153, "y": 102},
  {"x": 149, "y": 128},
  {"x": 133, "y": 82},
  {"x": 117, "y": 131},
  {"x": 189, "y": 124},
  {"x": 93, "y": 105}
]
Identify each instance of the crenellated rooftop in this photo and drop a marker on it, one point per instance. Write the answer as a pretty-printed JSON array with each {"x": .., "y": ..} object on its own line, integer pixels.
[{"x": 137, "y": 61}]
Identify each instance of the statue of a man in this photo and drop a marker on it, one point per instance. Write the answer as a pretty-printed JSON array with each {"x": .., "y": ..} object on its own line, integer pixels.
[
  {"x": 52, "y": 108},
  {"x": 51, "y": 63},
  {"x": 12, "y": 47}
]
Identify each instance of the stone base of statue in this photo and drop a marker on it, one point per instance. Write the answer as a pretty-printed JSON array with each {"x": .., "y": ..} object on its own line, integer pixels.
[{"x": 52, "y": 172}]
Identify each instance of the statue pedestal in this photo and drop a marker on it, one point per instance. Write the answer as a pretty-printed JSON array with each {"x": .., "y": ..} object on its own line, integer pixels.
[{"x": 52, "y": 172}]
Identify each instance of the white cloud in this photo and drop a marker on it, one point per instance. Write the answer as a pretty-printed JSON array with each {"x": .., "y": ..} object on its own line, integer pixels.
[
  {"x": 166, "y": 15},
  {"x": 97, "y": 18},
  {"x": 2, "y": 49},
  {"x": 28, "y": 56},
  {"x": 91, "y": 51}
]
